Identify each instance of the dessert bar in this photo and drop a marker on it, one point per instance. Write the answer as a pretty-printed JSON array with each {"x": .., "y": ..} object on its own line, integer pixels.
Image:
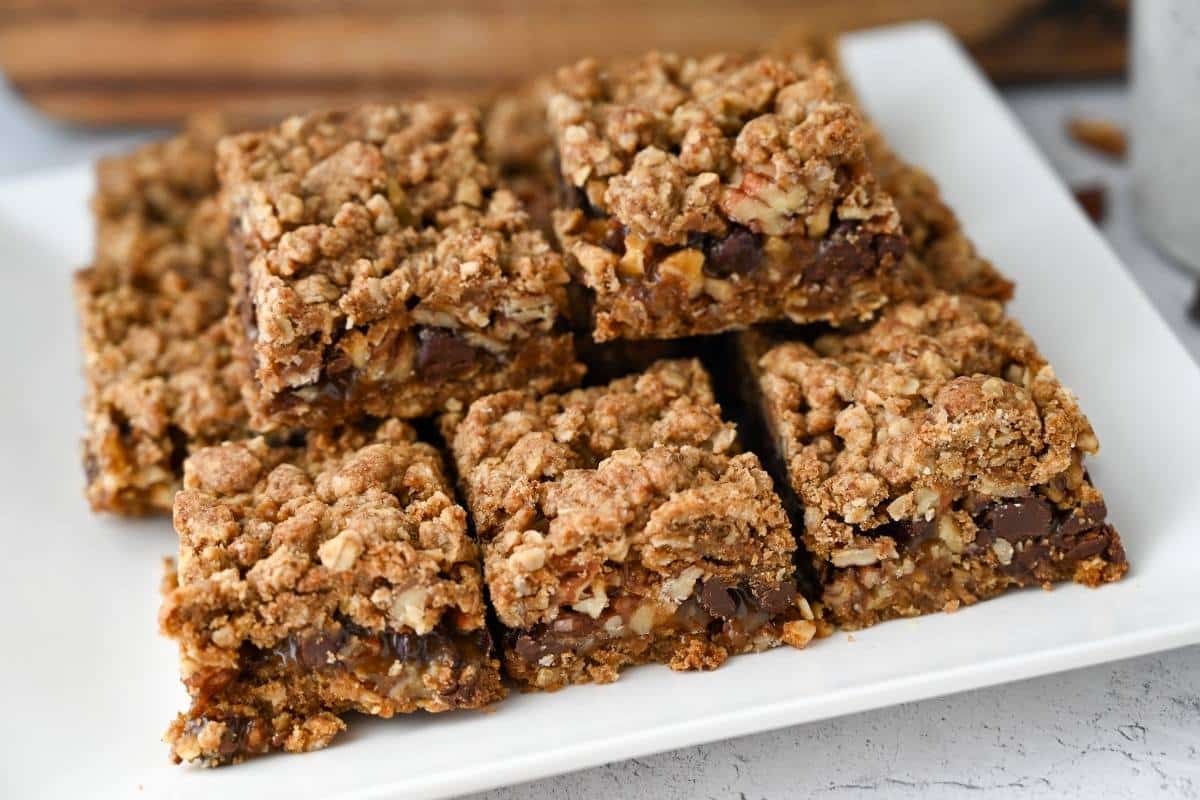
[
  {"x": 318, "y": 579},
  {"x": 620, "y": 525},
  {"x": 160, "y": 376},
  {"x": 936, "y": 457},
  {"x": 379, "y": 271},
  {"x": 712, "y": 194}
]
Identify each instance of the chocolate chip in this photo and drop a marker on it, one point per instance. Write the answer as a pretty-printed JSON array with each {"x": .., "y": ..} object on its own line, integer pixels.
[
  {"x": 1089, "y": 546},
  {"x": 1014, "y": 520},
  {"x": 775, "y": 599},
  {"x": 1094, "y": 202},
  {"x": 313, "y": 652},
  {"x": 443, "y": 354},
  {"x": 1080, "y": 520},
  {"x": 737, "y": 253},
  {"x": 614, "y": 238},
  {"x": 838, "y": 257},
  {"x": 1028, "y": 558},
  {"x": 402, "y": 646},
  {"x": 532, "y": 647},
  {"x": 717, "y": 598},
  {"x": 905, "y": 533}
]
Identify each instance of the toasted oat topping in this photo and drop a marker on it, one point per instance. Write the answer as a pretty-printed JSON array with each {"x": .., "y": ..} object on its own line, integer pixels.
[
  {"x": 634, "y": 486},
  {"x": 937, "y": 402},
  {"x": 156, "y": 357},
  {"x": 276, "y": 540},
  {"x": 672, "y": 146}
]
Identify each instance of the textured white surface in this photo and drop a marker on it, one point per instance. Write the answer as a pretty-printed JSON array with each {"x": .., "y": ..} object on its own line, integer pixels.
[{"x": 1126, "y": 730}]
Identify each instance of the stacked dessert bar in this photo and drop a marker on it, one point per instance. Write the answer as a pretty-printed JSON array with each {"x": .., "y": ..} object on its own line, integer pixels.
[{"x": 346, "y": 351}]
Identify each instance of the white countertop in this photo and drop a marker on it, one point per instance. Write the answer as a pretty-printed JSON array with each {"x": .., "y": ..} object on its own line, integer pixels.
[{"x": 1130, "y": 729}]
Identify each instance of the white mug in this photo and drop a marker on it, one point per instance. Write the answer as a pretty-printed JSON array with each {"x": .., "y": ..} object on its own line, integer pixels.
[{"x": 1166, "y": 125}]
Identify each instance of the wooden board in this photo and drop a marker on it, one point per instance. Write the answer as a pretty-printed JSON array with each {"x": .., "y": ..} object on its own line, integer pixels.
[{"x": 139, "y": 61}]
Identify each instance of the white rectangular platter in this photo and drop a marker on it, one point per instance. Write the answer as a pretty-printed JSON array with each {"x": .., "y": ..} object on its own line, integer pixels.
[{"x": 88, "y": 686}]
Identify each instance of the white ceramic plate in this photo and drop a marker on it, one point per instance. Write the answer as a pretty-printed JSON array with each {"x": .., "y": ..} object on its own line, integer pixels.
[{"x": 88, "y": 686}]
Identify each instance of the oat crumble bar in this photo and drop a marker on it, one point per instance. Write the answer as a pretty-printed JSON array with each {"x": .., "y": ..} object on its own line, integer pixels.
[
  {"x": 160, "y": 376},
  {"x": 717, "y": 193},
  {"x": 319, "y": 579},
  {"x": 380, "y": 271},
  {"x": 937, "y": 459},
  {"x": 620, "y": 525}
]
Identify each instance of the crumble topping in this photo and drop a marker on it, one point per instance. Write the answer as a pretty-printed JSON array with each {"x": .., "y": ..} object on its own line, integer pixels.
[
  {"x": 161, "y": 378},
  {"x": 672, "y": 146}
]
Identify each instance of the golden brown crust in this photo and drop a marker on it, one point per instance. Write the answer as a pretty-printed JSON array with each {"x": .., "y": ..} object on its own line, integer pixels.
[
  {"x": 158, "y": 365},
  {"x": 377, "y": 257},
  {"x": 318, "y": 580}
]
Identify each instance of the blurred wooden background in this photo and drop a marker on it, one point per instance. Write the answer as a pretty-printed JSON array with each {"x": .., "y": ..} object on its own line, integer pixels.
[{"x": 140, "y": 61}]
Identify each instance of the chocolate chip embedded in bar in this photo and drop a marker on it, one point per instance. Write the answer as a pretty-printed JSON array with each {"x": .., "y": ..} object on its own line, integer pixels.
[
  {"x": 321, "y": 579},
  {"x": 619, "y": 525},
  {"x": 937, "y": 459},
  {"x": 712, "y": 194},
  {"x": 381, "y": 271},
  {"x": 161, "y": 378}
]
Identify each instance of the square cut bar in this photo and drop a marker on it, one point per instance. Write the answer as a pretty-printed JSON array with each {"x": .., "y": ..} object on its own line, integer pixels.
[
  {"x": 380, "y": 271},
  {"x": 714, "y": 194},
  {"x": 937, "y": 459},
  {"x": 320, "y": 579},
  {"x": 619, "y": 525},
  {"x": 160, "y": 375}
]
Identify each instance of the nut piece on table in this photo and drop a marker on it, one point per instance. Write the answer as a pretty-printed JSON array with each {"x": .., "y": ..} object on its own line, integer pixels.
[{"x": 1101, "y": 136}]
